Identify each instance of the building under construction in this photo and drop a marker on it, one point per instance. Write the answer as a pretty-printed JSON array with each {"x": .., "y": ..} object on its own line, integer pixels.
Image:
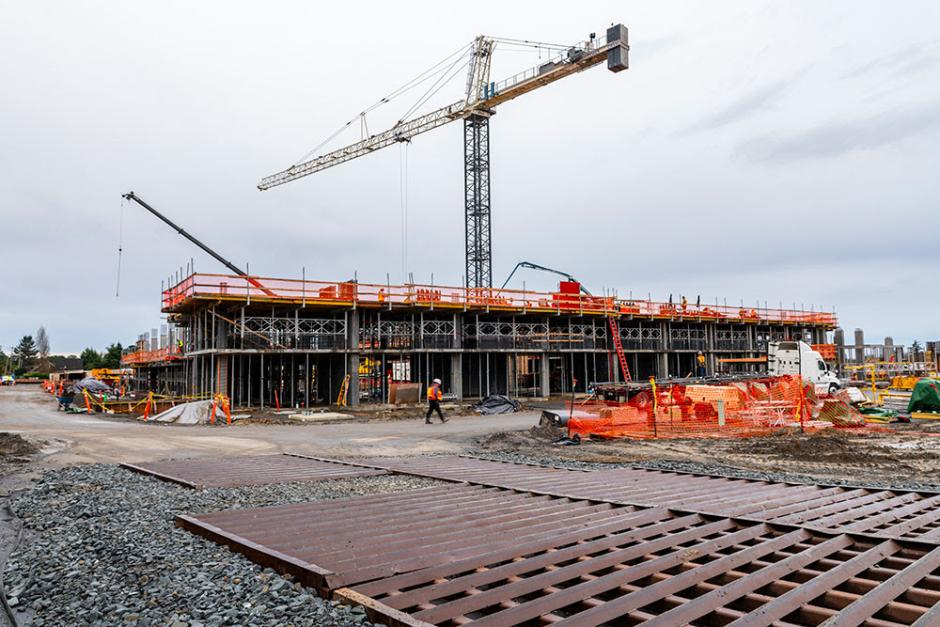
[{"x": 267, "y": 342}]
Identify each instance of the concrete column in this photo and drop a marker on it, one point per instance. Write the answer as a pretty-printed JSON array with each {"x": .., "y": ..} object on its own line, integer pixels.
[
  {"x": 889, "y": 350},
  {"x": 456, "y": 375},
  {"x": 662, "y": 357},
  {"x": 859, "y": 346},
  {"x": 545, "y": 376},
  {"x": 662, "y": 365},
  {"x": 510, "y": 374},
  {"x": 838, "y": 338},
  {"x": 711, "y": 332},
  {"x": 352, "y": 357}
]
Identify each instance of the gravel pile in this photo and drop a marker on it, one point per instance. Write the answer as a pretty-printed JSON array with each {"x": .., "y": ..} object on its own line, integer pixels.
[{"x": 100, "y": 548}]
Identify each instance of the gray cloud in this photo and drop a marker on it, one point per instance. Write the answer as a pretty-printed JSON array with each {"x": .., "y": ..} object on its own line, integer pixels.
[
  {"x": 909, "y": 60},
  {"x": 841, "y": 138},
  {"x": 586, "y": 174},
  {"x": 741, "y": 108}
]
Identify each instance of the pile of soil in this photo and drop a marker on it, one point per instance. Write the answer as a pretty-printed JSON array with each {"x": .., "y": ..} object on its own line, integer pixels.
[
  {"x": 13, "y": 444},
  {"x": 827, "y": 455}
]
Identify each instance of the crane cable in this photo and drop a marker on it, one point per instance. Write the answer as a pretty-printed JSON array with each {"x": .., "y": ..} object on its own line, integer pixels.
[
  {"x": 117, "y": 290},
  {"x": 403, "y": 201},
  {"x": 435, "y": 87},
  {"x": 414, "y": 82}
]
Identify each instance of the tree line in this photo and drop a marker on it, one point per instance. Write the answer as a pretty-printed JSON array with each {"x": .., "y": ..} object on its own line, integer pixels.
[{"x": 31, "y": 356}]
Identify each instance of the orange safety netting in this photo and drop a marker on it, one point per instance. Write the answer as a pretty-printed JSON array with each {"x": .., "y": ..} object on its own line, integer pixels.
[{"x": 734, "y": 409}]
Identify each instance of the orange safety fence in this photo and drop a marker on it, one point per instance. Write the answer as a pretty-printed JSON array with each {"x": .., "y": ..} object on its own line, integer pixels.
[
  {"x": 567, "y": 299},
  {"x": 736, "y": 409},
  {"x": 167, "y": 353}
]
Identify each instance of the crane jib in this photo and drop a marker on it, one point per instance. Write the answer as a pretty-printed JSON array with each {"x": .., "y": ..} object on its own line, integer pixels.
[{"x": 615, "y": 50}]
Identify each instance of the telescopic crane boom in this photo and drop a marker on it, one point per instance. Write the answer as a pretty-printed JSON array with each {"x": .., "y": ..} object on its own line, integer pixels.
[
  {"x": 475, "y": 109},
  {"x": 225, "y": 262}
]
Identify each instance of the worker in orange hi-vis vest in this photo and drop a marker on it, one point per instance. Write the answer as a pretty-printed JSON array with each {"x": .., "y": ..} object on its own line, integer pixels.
[{"x": 434, "y": 401}]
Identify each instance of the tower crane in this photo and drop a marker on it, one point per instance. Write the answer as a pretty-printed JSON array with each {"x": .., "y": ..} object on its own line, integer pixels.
[{"x": 475, "y": 109}]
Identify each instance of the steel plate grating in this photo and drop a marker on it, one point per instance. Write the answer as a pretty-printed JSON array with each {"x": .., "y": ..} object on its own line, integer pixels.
[
  {"x": 332, "y": 543},
  {"x": 230, "y": 472}
]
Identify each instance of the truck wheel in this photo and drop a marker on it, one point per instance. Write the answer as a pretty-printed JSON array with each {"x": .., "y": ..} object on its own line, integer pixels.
[{"x": 833, "y": 388}]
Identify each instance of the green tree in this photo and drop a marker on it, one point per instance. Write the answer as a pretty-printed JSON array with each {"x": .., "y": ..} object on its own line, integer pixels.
[
  {"x": 25, "y": 353},
  {"x": 90, "y": 359},
  {"x": 4, "y": 362},
  {"x": 111, "y": 358}
]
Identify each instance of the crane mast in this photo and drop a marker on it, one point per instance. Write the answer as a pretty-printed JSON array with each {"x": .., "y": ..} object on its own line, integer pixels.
[{"x": 482, "y": 96}]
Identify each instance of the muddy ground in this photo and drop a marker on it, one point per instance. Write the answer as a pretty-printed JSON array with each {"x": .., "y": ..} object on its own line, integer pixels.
[{"x": 894, "y": 455}]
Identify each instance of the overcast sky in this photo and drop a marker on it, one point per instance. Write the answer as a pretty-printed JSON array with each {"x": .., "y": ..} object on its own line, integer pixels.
[{"x": 765, "y": 151}]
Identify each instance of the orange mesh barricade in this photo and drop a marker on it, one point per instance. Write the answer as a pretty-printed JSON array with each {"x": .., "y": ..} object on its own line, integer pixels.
[{"x": 734, "y": 409}]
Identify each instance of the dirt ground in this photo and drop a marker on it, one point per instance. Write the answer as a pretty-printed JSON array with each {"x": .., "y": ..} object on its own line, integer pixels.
[
  {"x": 34, "y": 431},
  {"x": 79, "y": 438},
  {"x": 908, "y": 454}
]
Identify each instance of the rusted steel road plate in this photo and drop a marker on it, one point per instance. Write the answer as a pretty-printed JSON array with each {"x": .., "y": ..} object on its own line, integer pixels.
[
  {"x": 675, "y": 569},
  {"x": 228, "y": 472},
  {"x": 328, "y": 544},
  {"x": 887, "y": 513}
]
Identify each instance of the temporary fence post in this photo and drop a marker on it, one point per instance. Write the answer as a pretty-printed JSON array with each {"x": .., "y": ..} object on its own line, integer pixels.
[
  {"x": 215, "y": 403},
  {"x": 655, "y": 405},
  {"x": 87, "y": 400},
  {"x": 799, "y": 402},
  {"x": 574, "y": 382}
]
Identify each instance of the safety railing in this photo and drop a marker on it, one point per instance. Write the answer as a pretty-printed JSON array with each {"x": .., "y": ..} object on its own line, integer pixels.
[
  {"x": 168, "y": 353},
  {"x": 231, "y": 287}
]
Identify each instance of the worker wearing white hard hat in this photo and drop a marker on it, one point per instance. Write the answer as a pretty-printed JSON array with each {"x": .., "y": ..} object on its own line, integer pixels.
[{"x": 435, "y": 396}]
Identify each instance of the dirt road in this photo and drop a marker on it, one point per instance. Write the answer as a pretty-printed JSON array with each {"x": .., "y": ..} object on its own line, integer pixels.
[{"x": 76, "y": 438}]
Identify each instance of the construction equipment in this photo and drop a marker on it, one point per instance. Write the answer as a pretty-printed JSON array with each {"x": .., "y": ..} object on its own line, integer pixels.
[
  {"x": 535, "y": 266},
  {"x": 475, "y": 109},
  {"x": 225, "y": 262},
  {"x": 618, "y": 346},
  {"x": 342, "y": 399},
  {"x": 614, "y": 327}
]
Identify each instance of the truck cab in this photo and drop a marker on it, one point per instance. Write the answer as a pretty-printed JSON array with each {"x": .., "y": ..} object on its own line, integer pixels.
[{"x": 798, "y": 357}]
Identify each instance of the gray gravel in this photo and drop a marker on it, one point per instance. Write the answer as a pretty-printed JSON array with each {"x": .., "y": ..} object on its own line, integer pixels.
[
  {"x": 705, "y": 468},
  {"x": 101, "y": 549}
]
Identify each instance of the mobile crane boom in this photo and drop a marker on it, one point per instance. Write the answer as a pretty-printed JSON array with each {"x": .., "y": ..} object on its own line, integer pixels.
[{"x": 225, "y": 262}]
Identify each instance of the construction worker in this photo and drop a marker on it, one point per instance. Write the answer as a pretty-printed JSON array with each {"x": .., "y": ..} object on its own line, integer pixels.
[
  {"x": 434, "y": 401},
  {"x": 700, "y": 364}
]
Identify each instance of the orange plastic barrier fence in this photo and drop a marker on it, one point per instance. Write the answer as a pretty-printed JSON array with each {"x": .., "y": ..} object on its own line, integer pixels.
[{"x": 738, "y": 409}]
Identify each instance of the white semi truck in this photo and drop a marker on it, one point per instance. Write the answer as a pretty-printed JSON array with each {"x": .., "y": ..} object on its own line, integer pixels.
[{"x": 784, "y": 358}]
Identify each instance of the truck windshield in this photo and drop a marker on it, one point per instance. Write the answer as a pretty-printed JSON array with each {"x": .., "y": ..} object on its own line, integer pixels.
[{"x": 822, "y": 365}]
